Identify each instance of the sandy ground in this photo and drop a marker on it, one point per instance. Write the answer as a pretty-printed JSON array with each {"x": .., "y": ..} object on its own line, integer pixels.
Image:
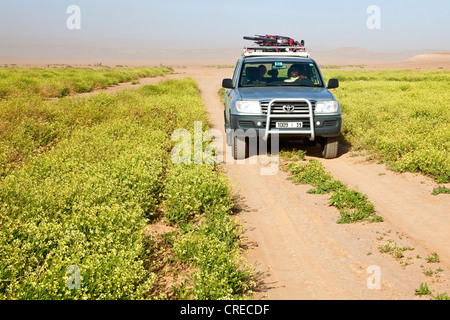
[{"x": 292, "y": 237}]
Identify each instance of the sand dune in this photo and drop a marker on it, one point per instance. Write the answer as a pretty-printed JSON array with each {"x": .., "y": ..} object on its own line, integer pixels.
[
  {"x": 427, "y": 61},
  {"x": 440, "y": 56}
]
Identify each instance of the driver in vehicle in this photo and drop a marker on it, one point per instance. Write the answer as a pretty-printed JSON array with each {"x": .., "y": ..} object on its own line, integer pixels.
[{"x": 297, "y": 76}]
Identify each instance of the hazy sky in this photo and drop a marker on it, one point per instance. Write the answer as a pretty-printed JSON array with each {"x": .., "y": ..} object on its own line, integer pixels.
[{"x": 133, "y": 25}]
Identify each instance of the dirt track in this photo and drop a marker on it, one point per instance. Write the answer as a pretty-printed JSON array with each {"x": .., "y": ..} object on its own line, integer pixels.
[
  {"x": 292, "y": 237},
  {"x": 302, "y": 253}
]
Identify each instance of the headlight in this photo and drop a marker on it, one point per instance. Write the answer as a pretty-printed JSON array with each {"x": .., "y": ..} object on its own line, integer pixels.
[
  {"x": 248, "y": 107},
  {"x": 327, "y": 107}
]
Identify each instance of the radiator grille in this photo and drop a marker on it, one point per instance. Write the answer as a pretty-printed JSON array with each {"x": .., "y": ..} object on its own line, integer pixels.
[{"x": 299, "y": 107}]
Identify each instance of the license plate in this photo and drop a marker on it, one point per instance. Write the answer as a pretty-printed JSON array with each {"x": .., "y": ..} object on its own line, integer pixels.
[{"x": 289, "y": 125}]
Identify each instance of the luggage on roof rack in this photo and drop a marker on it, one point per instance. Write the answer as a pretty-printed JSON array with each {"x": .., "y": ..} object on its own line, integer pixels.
[
  {"x": 273, "y": 40},
  {"x": 274, "y": 44}
]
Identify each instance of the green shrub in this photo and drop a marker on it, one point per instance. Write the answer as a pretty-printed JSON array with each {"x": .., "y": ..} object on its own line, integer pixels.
[
  {"x": 85, "y": 204},
  {"x": 218, "y": 272},
  {"x": 87, "y": 201},
  {"x": 194, "y": 190},
  {"x": 401, "y": 116},
  {"x": 29, "y": 124}
]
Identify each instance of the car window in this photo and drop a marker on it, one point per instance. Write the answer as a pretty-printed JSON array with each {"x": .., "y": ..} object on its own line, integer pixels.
[
  {"x": 280, "y": 73},
  {"x": 235, "y": 73}
]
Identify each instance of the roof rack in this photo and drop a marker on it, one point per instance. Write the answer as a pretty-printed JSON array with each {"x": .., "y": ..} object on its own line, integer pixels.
[{"x": 258, "y": 51}]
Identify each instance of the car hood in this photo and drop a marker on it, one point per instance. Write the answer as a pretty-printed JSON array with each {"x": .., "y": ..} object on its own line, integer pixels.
[{"x": 279, "y": 92}]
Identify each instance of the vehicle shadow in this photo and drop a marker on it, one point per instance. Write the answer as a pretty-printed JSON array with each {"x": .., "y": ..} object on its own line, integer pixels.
[{"x": 311, "y": 148}]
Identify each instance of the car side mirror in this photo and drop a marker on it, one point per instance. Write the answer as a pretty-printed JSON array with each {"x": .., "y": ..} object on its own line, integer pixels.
[
  {"x": 227, "y": 83},
  {"x": 333, "y": 83}
]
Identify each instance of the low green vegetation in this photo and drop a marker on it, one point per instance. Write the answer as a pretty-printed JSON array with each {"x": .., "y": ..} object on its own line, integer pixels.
[
  {"x": 442, "y": 296},
  {"x": 423, "y": 290},
  {"x": 210, "y": 248},
  {"x": 60, "y": 82},
  {"x": 400, "y": 116},
  {"x": 30, "y": 124},
  {"x": 434, "y": 258},
  {"x": 399, "y": 253},
  {"x": 391, "y": 248},
  {"x": 440, "y": 189},
  {"x": 352, "y": 205},
  {"x": 88, "y": 193},
  {"x": 83, "y": 205},
  {"x": 221, "y": 93}
]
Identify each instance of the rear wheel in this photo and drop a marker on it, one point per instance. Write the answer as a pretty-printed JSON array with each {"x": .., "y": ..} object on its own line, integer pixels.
[
  {"x": 330, "y": 147},
  {"x": 239, "y": 148}
]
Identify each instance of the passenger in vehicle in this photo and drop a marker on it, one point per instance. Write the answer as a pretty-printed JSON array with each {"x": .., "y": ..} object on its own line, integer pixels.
[
  {"x": 252, "y": 75},
  {"x": 273, "y": 75},
  {"x": 262, "y": 72}
]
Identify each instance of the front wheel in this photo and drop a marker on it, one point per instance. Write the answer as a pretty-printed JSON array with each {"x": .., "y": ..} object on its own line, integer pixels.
[
  {"x": 239, "y": 148},
  {"x": 330, "y": 147}
]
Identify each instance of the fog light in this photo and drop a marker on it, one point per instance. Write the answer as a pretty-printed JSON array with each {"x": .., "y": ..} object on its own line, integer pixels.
[
  {"x": 259, "y": 124},
  {"x": 318, "y": 123}
]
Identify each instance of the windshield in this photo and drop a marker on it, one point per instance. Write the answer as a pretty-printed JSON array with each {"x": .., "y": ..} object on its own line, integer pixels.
[{"x": 280, "y": 73}]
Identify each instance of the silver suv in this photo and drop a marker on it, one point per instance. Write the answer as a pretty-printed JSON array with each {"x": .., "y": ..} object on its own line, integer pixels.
[{"x": 283, "y": 93}]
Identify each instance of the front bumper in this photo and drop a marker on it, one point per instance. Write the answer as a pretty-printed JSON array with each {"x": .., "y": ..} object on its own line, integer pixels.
[{"x": 323, "y": 125}]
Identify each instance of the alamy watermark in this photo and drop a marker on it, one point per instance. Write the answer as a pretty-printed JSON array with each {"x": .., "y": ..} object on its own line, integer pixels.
[
  {"x": 374, "y": 281},
  {"x": 188, "y": 150},
  {"x": 74, "y": 279},
  {"x": 373, "y": 22},
  {"x": 73, "y": 22}
]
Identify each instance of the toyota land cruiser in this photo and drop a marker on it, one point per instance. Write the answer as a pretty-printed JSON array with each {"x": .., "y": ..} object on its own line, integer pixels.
[{"x": 280, "y": 90}]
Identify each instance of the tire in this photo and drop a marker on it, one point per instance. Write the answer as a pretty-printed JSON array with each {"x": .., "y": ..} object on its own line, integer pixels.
[
  {"x": 330, "y": 147},
  {"x": 228, "y": 136},
  {"x": 239, "y": 148}
]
